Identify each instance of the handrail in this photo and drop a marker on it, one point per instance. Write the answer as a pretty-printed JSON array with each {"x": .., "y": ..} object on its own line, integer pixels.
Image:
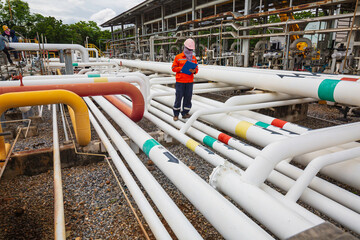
[{"x": 20, "y": 99}]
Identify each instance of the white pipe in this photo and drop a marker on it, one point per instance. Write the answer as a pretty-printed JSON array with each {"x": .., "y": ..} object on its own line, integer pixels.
[
  {"x": 96, "y": 53},
  {"x": 256, "y": 208},
  {"x": 230, "y": 222},
  {"x": 199, "y": 113},
  {"x": 257, "y": 98},
  {"x": 149, "y": 214},
  {"x": 262, "y": 137},
  {"x": 256, "y": 202},
  {"x": 345, "y": 197},
  {"x": 314, "y": 167},
  {"x": 336, "y": 193},
  {"x": 59, "y": 218},
  {"x": 63, "y": 121},
  {"x": 318, "y": 86},
  {"x": 47, "y": 46},
  {"x": 87, "y": 64},
  {"x": 175, "y": 218},
  {"x": 314, "y": 140}
]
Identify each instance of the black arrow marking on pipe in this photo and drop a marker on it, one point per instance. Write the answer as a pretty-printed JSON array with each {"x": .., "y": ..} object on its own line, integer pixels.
[
  {"x": 171, "y": 157},
  {"x": 299, "y": 75},
  {"x": 209, "y": 151},
  {"x": 227, "y": 146}
]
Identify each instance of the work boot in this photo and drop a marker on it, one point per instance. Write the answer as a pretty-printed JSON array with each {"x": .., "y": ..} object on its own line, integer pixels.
[
  {"x": 176, "y": 118},
  {"x": 186, "y": 116}
]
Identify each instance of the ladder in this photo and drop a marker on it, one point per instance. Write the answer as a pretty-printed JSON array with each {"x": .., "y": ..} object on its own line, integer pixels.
[{"x": 91, "y": 53}]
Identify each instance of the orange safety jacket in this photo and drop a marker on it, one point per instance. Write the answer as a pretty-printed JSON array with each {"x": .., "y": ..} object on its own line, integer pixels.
[{"x": 178, "y": 63}]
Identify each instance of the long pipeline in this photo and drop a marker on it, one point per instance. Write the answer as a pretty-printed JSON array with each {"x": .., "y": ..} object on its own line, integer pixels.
[
  {"x": 318, "y": 86},
  {"x": 94, "y": 89},
  {"x": 47, "y": 46},
  {"x": 231, "y": 222}
]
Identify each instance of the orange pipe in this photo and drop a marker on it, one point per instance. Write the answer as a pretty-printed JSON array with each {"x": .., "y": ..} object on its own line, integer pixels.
[{"x": 95, "y": 89}]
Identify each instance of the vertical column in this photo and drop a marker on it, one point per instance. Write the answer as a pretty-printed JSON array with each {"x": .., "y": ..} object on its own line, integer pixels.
[
  {"x": 112, "y": 40},
  {"x": 69, "y": 70},
  {"x": 246, "y": 42},
  {"x": 136, "y": 34},
  {"x": 163, "y": 27},
  {"x": 193, "y": 17}
]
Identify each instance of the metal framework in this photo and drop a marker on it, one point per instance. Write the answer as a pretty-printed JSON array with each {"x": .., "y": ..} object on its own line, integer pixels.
[{"x": 227, "y": 33}]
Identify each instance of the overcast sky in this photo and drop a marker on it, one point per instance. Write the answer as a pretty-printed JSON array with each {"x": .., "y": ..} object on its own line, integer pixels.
[{"x": 71, "y": 11}]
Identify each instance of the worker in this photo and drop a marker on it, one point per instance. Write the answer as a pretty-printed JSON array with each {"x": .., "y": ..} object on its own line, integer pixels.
[
  {"x": 184, "y": 82},
  {"x": 4, "y": 48},
  {"x": 11, "y": 36}
]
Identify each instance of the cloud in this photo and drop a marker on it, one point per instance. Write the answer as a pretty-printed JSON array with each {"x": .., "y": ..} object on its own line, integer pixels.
[
  {"x": 71, "y": 11},
  {"x": 103, "y": 15}
]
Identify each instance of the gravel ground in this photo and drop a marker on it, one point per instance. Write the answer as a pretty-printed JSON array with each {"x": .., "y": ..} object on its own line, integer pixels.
[{"x": 95, "y": 208}]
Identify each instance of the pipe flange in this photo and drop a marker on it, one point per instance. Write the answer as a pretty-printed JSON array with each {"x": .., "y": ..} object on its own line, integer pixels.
[{"x": 221, "y": 169}]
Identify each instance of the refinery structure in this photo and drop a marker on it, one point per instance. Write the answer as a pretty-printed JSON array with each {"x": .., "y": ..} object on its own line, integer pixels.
[{"x": 266, "y": 144}]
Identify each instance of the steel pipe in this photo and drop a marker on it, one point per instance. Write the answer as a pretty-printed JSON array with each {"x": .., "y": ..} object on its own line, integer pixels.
[
  {"x": 149, "y": 214},
  {"x": 47, "y": 46},
  {"x": 99, "y": 88},
  {"x": 59, "y": 216},
  {"x": 230, "y": 222},
  {"x": 177, "y": 221}
]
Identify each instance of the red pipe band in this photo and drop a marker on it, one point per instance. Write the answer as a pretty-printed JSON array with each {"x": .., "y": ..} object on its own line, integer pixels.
[
  {"x": 96, "y": 89},
  {"x": 224, "y": 138},
  {"x": 278, "y": 123}
]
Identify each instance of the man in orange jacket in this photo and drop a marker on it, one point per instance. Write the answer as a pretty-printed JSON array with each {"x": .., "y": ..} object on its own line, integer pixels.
[{"x": 184, "y": 82}]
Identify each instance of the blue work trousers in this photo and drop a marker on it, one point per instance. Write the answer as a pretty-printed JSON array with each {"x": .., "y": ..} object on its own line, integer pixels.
[{"x": 184, "y": 94}]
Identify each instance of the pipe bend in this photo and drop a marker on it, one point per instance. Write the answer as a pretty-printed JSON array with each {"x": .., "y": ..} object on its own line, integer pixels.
[{"x": 20, "y": 99}]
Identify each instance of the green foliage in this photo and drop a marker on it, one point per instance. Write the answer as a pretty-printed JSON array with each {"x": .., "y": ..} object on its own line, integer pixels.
[{"x": 29, "y": 25}]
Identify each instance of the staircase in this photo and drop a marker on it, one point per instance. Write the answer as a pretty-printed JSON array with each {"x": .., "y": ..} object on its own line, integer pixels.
[
  {"x": 343, "y": 23},
  {"x": 91, "y": 53}
]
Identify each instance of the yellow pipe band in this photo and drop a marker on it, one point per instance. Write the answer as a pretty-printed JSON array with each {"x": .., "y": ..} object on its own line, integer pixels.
[
  {"x": 191, "y": 144},
  {"x": 241, "y": 128}
]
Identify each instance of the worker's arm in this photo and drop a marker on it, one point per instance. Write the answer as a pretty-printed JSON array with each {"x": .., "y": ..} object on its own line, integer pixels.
[{"x": 175, "y": 66}]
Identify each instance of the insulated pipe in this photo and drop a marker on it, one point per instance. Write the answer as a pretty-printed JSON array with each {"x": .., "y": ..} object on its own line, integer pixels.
[
  {"x": 257, "y": 209},
  {"x": 329, "y": 207},
  {"x": 13, "y": 100},
  {"x": 328, "y": 189},
  {"x": 263, "y": 137},
  {"x": 288, "y": 148},
  {"x": 288, "y": 222},
  {"x": 47, "y": 46},
  {"x": 257, "y": 98},
  {"x": 335, "y": 90},
  {"x": 59, "y": 218},
  {"x": 230, "y": 222},
  {"x": 315, "y": 166},
  {"x": 149, "y": 214},
  {"x": 175, "y": 218},
  {"x": 99, "y": 88},
  {"x": 96, "y": 52},
  {"x": 86, "y": 64},
  {"x": 199, "y": 113}
]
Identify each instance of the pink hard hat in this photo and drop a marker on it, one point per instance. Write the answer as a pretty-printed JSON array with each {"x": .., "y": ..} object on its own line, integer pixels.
[{"x": 190, "y": 44}]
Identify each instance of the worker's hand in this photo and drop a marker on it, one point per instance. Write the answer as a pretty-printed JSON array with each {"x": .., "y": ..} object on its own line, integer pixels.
[{"x": 192, "y": 70}]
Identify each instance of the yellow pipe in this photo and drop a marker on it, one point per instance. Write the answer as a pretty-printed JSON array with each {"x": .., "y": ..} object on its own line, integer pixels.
[
  {"x": 72, "y": 117},
  {"x": 20, "y": 99}
]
